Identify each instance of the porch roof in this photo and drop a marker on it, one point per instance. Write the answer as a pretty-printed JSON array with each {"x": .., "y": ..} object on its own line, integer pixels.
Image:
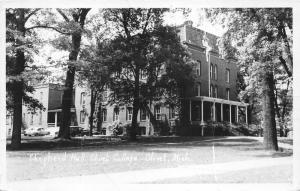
[{"x": 218, "y": 100}]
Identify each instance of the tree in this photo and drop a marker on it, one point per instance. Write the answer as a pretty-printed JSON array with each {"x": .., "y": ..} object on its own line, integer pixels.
[
  {"x": 133, "y": 28},
  {"x": 261, "y": 44},
  {"x": 21, "y": 45},
  {"x": 141, "y": 52},
  {"x": 78, "y": 17},
  {"x": 71, "y": 26}
]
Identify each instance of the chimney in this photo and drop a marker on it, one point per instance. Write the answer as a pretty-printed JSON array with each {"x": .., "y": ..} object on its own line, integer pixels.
[{"x": 188, "y": 23}]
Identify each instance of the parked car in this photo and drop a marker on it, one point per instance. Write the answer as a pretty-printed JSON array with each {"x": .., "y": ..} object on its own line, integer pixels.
[
  {"x": 32, "y": 131},
  {"x": 36, "y": 131},
  {"x": 42, "y": 132},
  {"x": 53, "y": 131}
]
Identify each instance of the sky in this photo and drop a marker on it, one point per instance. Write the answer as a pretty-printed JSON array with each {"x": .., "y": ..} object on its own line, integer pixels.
[{"x": 199, "y": 21}]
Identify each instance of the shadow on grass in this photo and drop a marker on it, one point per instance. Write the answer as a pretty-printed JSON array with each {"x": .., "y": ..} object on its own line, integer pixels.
[{"x": 278, "y": 154}]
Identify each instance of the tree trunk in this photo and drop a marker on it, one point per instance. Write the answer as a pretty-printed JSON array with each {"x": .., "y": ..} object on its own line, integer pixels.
[
  {"x": 183, "y": 118},
  {"x": 17, "y": 93},
  {"x": 17, "y": 115},
  {"x": 99, "y": 117},
  {"x": 283, "y": 115},
  {"x": 151, "y": 115},
  {"x": 91, "y": 118},
  {"x": 64, "y": 130},
  {"x": 135, "y": 107},
  {"x": 277, "y": 110},
  {"x": 270, "y": 134}
]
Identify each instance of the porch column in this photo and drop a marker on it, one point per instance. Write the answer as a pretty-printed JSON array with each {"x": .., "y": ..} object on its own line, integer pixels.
[
  {"x": 221, "y": 111},
  {"x": 246, "y": 114},
  {"x": 190, "y": 110},
  {"x": 237, "y": 113},
  {"x": 202, "y": 120},
  {"x": 55, "y": 122},
  {"x": 230, "y": 113},
  {"x": 214, "y": 112}
]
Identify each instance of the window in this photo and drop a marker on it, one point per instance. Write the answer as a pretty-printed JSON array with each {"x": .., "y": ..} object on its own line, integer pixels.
[
  {"x": 82, "y": 117},
  {"x": 82, "y": 98},
  {"x": 41, "y": 96},
  {"x": 104, "y": 115},
  {"x": 104, "y": 96},
  {"x": 198, "y": 90},
  {"x": 143, "y": 114},
  {"x": 116, "y": 114},
  {"x": 227, "y": 75},
  {"x": 216, "y": 91},
  {"x": 215, "y": 72},
  {"x": 198, "y": 69},
  {"x": 197, "y": 112},
  {"x": 41, "y": 118},
  {"x": 227, "y": 93},
  {"x": 143, "y": 75},
  {"x": 129, "y": 113},
  {"x": 157, "y": 112},
  {"x": 211, "y": 91},
  {"x": 172, "y": 112},
  {"x": 211, "y": 71},
  {"x": 31, "y": 119}
]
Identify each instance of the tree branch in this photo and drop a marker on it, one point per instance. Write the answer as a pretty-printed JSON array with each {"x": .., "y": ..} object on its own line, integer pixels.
[
  {"x": 83, "y": 14},
  {"x": 125, "y": 24},
  {"x": 283, "y": 62},
  {"x": 30, "y": 14},
  {"x": 48, "y": 27},
  {"x": 63, "y": 15},
  {"x": 147, "y": 21}
]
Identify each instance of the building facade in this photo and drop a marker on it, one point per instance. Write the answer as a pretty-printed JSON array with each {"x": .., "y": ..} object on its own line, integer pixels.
[
  {"x": 214, "y": 97},
  {"x": 50, "y": 95}
]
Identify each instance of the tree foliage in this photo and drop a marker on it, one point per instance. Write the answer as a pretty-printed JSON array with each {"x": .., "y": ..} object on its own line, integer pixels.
[
  {"x": 261, "y": 40},
  {"x": 143, "y": 52}
]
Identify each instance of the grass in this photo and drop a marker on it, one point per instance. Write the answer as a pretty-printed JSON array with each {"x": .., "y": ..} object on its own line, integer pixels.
[{"x": 96, "y": 155}]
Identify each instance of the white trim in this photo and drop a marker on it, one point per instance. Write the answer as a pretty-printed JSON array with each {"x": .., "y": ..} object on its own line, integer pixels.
[{"x": 218, "y": 100}]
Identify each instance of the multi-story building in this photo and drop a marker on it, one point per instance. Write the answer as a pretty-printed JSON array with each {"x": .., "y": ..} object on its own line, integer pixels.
[
  {"x": 213, "y": 98},
  {"x": 50, "y": 95}
]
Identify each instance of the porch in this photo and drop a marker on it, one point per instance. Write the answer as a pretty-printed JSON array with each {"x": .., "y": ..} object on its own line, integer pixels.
[
  {"x": 202, "y": 109},
  {"x": 54, "y": 117}
]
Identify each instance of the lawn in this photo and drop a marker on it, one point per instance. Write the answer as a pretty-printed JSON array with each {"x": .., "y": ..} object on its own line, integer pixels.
[{"x": 99, "y": 156}]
